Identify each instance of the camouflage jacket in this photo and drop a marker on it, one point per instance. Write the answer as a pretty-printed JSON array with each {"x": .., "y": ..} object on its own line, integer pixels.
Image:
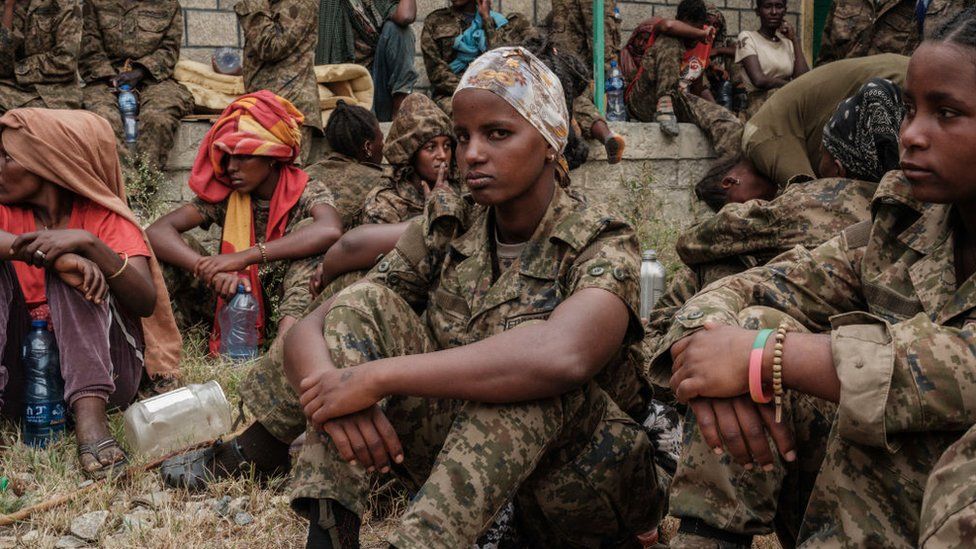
[
  {"x": 437, "y": 44},
  {"x": 393, "y": 201},
  {"x": 279, "y": 51},
  {"x": 449, "y": 273},
  {"x": 741, "y": 236},
  {"x": 902, "y": 326},
  {"x": 39, "y": 55},
  {"x": 147, "y": 33},
  {"x": 348, "y": 182}
]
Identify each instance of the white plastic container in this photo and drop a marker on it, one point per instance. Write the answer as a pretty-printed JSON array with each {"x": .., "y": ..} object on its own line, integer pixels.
[{"x": 168, "y": 422}]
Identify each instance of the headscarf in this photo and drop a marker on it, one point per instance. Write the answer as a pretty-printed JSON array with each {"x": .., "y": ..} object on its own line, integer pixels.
[
  {"x": 862, "y": 134},
  {"x": 76, "y": 150},
  {"x": 256, "y": 124},
  {"x": 525, "y": 83},
  {"x": 418, "y": 121}
]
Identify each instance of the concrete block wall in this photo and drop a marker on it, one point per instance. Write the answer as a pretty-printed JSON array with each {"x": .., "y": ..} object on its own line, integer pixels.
[{"x": 212, "y": 23}]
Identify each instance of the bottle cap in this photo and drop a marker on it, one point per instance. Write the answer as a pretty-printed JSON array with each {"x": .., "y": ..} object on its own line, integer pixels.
[
  {"x": 38, "y": 324},
  {"x": 613, "y": 62},
  {"x": 649, "y": 254},
  {"x": 125, "y": 87},
  {"x": 241, "y": 289}
]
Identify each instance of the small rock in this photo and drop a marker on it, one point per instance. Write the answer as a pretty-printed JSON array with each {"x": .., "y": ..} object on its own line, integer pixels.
[
  {"x": 88, "y": 526},
  {"x": 31, "y": 536},
  {"x": 220, "y": 506},
  {"x": 243, "y": 518},
  {"x": 238, "y": 505},
  {"x": 70, "y": 542},
  {"x": 8, "y": 542},
  {"x": 84, "y": 483},
  {"x": 140, "y": 519},
  {"x": 154, "y": 500}
]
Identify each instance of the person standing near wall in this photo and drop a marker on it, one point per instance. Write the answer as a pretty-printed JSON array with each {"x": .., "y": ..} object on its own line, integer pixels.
[
  {"x": 771, "y": 56},
  {"x": 377, "y": 35},
  {"x": 279, "y": 50},
  {"x": 136, "y": 43}
]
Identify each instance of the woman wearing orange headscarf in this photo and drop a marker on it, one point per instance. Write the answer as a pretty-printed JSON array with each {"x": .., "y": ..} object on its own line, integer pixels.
[
  {"x": 276, "y": 220},
  {"x": 72, "y": 252}
]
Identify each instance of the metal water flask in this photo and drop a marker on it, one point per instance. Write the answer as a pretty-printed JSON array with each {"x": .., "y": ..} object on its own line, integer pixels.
[{"x": 652, "y": 277}]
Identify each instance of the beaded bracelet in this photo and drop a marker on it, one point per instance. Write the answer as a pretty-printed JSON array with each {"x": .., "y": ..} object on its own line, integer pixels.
[
  {"x": 778, "y": 370},
  {"x": 755, "y": 368},
  {"x": 264, "y": 252}
]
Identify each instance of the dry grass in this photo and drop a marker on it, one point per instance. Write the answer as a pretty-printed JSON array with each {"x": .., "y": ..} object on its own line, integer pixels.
[{"x": 180, "y": 522}]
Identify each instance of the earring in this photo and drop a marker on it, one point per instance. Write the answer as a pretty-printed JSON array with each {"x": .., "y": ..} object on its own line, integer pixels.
[
  {"x": 550, "y": 157},
  {"x": 368, "y": 150}
]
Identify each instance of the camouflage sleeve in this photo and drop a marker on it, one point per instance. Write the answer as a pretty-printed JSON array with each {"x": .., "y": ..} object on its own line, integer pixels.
[
  {"x": 8, "y": 53},
  {"x": 94, "y": 63},
  {"x": 736, "y": 229},
  {"x": 442, "y": 78},
  {"x": 611, "y": 263},
  {"x": 835, "y": 40},
  {"x": 61, "y": 63},
  {"x": 810, "y": 286},
  {"x": 162, "y": 62},
  {"x": 315, "y": 193},
  {"x": 910, "y": 376},
  {"x": 273, "y": 34},
  {"x": 379, "y": 208},
  {"x": 212, "y": 213},
  {"x": 683, "y": 286}
]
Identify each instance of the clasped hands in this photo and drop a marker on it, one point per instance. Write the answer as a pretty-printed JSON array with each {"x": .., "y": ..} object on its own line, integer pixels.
[
  {"x": 61, "y": 250},
  {"x": 222, "y": 272},
  {"x": 710, "y": 373},
  {"x": 343, "y": 404}
]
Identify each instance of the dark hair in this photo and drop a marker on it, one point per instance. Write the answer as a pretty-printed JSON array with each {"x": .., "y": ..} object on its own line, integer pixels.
[
  {"x": 960, "y": 29},
  {"x": 576, "y": 151},
  {"x": 709, "y": 190},
  {"x": 692, "y": 11},
  {"x": 759, "y": 3},
  {"x": 571, "y": 71},
  {"x": 349, "y": 127}
]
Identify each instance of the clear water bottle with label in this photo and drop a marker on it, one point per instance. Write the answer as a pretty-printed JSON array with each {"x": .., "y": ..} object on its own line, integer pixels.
[
  {"x": 652, "y": 278},
  {"x": 616, "y": 108},
  {"x": 189, "y": 415},
  {"x": 238, "y": 326},
  {"x": 44, "y": 406},
  {"x": 129, "y": 107}
]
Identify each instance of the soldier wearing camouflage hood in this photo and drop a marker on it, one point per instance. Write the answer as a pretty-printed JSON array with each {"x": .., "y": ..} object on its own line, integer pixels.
[
  {"x": 39, "y": 43},
  {"x": 136, "y": 43}
]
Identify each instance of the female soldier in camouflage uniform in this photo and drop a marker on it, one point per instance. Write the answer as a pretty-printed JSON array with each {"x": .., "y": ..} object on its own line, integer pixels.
[
  {"x": 897, "y": 296},
  {"x": 503, "y": 387}
]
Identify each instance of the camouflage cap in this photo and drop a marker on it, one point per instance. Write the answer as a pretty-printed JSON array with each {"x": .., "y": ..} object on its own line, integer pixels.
[{"x": 418, "y": 121}]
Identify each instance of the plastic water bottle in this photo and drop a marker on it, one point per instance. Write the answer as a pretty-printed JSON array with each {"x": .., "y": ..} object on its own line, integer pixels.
[
  {"x": 238, "y": 326},
  {"x": 226, "y": 61},
  {"x": 189, "y": 415},
  {"x": 616, "y": 14},
  {"x": 44, "y": 406},
  {"x": 616, "y": 109},
  {"x": 652, "y": 277},
  {"x": 129, "y": 107}
]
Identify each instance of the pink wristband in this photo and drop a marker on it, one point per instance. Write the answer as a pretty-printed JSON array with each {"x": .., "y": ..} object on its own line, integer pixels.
[{"x": 755, "y": 369}]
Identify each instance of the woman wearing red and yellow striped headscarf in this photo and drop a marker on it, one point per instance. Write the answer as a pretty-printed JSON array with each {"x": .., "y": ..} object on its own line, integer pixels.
[{"x": 276, "y": 221}]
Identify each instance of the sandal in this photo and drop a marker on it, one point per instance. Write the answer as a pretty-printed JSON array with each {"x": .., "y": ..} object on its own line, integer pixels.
[
  {"x": 195, "y": 469},
  {"x": 112, "y": 470}
]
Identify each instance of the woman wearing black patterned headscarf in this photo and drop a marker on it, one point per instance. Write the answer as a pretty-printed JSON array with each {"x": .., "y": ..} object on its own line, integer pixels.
[{"x": 860, "y": 140}]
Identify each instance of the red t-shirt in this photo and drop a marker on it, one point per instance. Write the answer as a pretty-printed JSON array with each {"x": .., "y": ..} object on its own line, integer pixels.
[{"x": 115, "y": 231}]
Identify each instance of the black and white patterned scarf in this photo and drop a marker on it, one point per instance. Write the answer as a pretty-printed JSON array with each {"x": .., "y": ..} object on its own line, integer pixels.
[{"x": 862, "y": 134}]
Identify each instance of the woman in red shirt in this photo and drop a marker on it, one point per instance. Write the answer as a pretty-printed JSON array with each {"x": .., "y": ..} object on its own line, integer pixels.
[{"x": 72, "y": 253}]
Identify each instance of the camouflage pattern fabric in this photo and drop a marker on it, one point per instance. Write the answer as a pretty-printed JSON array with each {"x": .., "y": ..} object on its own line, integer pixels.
[
  {"x": 949, "y": 505},
  {"x": 39, "y": 56},
  {"x": 279, "y": 52},
  {"x": 720, "y": 125},
  {"x": 858, "y": 28},
  {"x": 348, "y": 182},
  {"x": 662, "y": 70},
  {"x": 393, "y": 201},
  {"x": 901, "y": 336},
  {"x": 572, "y": 30},
  {"x": 148, "y": 34},
  {"x": 441, "y": 27},
  {"x": 418, "y": 121},
  {"x": 579, "y": 467}
]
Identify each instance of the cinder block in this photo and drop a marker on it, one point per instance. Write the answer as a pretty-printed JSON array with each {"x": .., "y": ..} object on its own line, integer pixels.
[
  {"x": 211, "y": 28},
  {"x": 202, "y": 4}
]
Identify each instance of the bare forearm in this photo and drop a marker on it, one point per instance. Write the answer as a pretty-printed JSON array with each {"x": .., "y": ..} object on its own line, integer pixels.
[
  {"x": 800, "y": 65},
  {"x": 306, "y": 242},
  {"x": 808, "y": 365},
  {"x": 132, "y": 286},
  {"x": 6, "y": 241},
  {"x": 170, "y": 247},
  {"x": 305, "y": 350}
]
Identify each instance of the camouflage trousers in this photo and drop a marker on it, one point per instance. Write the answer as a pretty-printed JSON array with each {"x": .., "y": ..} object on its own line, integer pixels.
[
  {"x": 580, "y": 470},
  {"x": 265, "y": 390},
  {"x": 585, "y": 113},
  {"x": 837, "y": 493},
  {"x": 284, "y": 285},
  {"x": 662, "y": 71},
  {"x": 572, "y": 30},
  {"x": 949, "y": 505},
  {"x": 13, "y": 97},
  {"x": 161, "y": 106},
  {"x": 722, "y": 126}
]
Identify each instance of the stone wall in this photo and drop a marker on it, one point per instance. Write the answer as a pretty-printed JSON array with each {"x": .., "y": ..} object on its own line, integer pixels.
[
  {"x": 655, "y": 180},
  {"x": 212, "y": 23}
]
